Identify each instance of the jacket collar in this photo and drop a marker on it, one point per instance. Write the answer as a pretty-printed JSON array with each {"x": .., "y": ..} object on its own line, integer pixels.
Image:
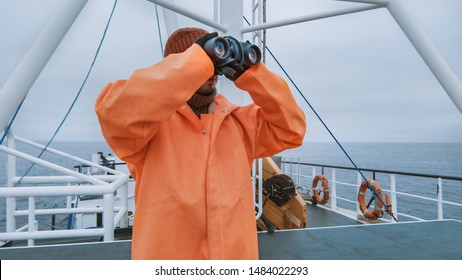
[
  {"x": 223, "y": 108},
  {"x": 223, "y": 105}
]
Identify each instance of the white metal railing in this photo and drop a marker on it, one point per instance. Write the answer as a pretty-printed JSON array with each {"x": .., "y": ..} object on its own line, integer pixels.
[
  {"x": 257, "y": 178},
  {"x": 293, "y": 168},
  {"x": 66, "y": 186}
]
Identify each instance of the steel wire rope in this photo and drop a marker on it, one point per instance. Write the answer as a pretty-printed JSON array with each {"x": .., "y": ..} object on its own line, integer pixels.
[
  {"x": 78, "y": 93},
  {"x": 375, "y": 194},
  {"x": 5, "y": 133}
]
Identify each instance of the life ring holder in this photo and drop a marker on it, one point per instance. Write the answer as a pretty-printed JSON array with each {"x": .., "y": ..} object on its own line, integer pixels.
[
  {"x": 317, "y": 194},
  {"x": 378, "y": 211}
]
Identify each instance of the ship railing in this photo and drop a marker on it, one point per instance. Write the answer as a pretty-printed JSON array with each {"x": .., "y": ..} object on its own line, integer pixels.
[
  {"x": 70, "y": 184},
  {"x": 419, "y": 197}
]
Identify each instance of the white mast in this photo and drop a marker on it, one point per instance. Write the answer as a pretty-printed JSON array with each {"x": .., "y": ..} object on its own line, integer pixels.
[
  {"x": 30, "y": 67},
  {"x": 231, "y": 13},
  {"x": 429, "y": 53}
]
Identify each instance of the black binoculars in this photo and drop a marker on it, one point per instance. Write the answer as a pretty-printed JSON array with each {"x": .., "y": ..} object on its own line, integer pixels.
[{"x": 230, "y": 56}]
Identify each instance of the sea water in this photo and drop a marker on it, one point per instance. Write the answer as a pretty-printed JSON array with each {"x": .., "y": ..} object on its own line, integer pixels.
[{"x": 444, "y": 159}]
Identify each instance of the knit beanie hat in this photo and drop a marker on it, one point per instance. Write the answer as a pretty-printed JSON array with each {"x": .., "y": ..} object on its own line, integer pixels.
[{"x": 182, "y": 39}]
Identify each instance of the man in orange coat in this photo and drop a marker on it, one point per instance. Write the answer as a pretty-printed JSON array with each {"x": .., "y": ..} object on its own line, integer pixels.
[{"x": 190, "y": 150}]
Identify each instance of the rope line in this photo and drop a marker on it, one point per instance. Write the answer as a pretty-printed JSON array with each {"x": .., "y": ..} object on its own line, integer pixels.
[
  {"x": 5, "y": 133},
  {"x": 370, "y": 187},
  {"x": 78, "y": 93},
  {"x": 312, "y": 108}
]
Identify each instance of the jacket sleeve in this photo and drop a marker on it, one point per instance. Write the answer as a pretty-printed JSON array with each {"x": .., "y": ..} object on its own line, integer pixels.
[
  {"x": 129, "y": 111},
  {"x": 280, "y": 121}
]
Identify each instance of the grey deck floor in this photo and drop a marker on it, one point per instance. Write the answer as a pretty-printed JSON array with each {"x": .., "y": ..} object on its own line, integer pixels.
[
  {"x": 348, "y": 240},
  {"x": 321, "y": 217},
  {"x": 433, "y": 240}
]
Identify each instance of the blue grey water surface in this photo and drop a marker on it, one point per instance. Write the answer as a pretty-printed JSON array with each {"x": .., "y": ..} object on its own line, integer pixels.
[{"x": 430, "y": 158}]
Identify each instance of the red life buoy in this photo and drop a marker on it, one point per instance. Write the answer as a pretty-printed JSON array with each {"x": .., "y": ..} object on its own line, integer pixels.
[
  {"x": 316, "y": 194},
  {"x": 370, "y": 214}
]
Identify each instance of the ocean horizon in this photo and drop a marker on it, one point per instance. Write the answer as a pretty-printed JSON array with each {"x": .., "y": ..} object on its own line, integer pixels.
[{"x": 443, "y": 159}]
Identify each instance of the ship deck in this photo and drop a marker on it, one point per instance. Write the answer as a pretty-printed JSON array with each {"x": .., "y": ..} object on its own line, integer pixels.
[
  {"x": 330, "y": 236},
  {"x": 430, "y": 240}
]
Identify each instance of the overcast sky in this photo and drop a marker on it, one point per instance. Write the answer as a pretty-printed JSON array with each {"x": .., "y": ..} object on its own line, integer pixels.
[{"x": 358, "y": 71}]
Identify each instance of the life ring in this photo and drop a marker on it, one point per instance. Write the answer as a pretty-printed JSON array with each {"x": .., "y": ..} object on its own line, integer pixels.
[
  {"x": 316, "y": 195},
  {"x": 370, "y": 214}
]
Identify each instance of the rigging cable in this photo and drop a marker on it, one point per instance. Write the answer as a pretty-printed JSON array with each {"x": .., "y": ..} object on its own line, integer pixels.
[
  {"x": 78, "y": 93},
  {"x": 5, "y": 133},
  {"x": 375, "y": 194}
]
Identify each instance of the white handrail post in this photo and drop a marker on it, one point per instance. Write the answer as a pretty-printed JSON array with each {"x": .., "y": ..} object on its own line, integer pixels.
[
  {"x": 123, "y": 192},
  {"x": 11, "y": 173},
  {"x": 260, "y": 188},
  {"x": 291, "y": 166},
  {"x": 108, "y": 216},
  {"x": 313, "y": 174},
  {"x": 440, "y": 198},
  {"x": 69, "y": 206},
  {"x": 394, "y": 201},
  {"x": 333, "y": 191},
  {"x": 31, "y": 219},
  {"x": 358, "y": 184},
  {"x": 298, "y": 172},
  {"x": 254, "y": 177},
  {"x": 258, "y": 175}
]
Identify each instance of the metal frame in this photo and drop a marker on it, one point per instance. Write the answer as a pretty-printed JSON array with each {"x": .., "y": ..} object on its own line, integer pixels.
[
  {"x": 21, "y": 80},
  {"x": 227, "y": 19},
  {"x": 333, "y": 182},
  {"x": 230, "y": 17},
  {"x": 101, "y": 185},
  {"x": 232, "y": 25}
]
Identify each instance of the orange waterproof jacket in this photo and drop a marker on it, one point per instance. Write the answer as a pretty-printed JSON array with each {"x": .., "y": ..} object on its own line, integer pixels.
[{"x": 193, "y": 193}]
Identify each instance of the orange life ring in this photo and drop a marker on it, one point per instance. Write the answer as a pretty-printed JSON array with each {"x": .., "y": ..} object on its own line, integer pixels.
[
  {"x": 370, "y": 214},
  {"x": 316, "y": 195}
]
